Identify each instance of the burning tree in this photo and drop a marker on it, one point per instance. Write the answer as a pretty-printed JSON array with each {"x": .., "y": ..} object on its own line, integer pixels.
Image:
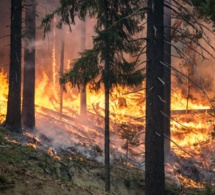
[
  {"x": 105, "y": 62},
  {"x": 90, "y": 67}
]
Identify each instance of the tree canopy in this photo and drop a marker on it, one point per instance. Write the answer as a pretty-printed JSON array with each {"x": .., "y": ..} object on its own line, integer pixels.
[
  {"x": 206, "y": 7},
  {"x": 119, "y": 36}
]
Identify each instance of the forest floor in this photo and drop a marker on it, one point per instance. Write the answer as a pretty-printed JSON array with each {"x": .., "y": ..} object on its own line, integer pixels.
[{"x": 25, "y": 170}]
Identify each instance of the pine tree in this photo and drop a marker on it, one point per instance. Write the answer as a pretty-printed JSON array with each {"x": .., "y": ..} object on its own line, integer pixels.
[
  {"x": 206, "y": 7},
  {"x": 105, "y": 62}
]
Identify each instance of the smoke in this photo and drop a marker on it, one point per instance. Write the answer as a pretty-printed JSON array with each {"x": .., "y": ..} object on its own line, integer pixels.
[{"x": 200, "y": 71}]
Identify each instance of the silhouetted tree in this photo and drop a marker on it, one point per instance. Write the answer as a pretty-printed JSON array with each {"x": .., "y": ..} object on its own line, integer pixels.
[
  {"x": 154, "y": 147},
  {"x": 105, "y": 62},
  {"x": 13, "y": 116},
  {"x": 28, "y": 108}
]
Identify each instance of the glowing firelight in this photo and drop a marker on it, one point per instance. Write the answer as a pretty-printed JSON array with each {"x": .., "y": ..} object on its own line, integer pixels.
[
  {"x": 3, "y": 94},
  {"x": 189, "y": 132}
]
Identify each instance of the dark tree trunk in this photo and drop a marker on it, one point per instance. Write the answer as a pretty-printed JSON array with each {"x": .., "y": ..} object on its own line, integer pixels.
[
  {"x": 13, "y": 117},
  {"x": 154, "y": 159},
  {"x": 28, "y": 108},
  {"x": 167, "y": 76},
  {"x": 107, "y": 89},
  {"x": 83, "y": 95}
]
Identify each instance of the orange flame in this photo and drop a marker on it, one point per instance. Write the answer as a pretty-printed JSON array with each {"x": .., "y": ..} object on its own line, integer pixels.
[{"x": 3, "y": 94}]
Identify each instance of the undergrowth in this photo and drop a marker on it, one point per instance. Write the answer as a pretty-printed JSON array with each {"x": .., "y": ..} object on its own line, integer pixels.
[{"x": 35, "y": 168}]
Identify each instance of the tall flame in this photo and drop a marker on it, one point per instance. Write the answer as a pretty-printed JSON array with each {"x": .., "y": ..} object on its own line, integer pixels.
[
  {"x": 3, "y": 94},
  {"x": 189, "y": 132}
]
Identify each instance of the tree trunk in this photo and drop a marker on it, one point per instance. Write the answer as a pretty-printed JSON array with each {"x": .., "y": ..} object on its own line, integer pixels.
[
  {"x": 107, "y": 89},
  {"x": 54, "y": 63},
  {"x": 28, "y": 108},
  {"x": 61, "y": 73},
  {"x": 83, "y": 95},
  {"x": 154, "y": 158},
  {"x": 13, "y": 117},
  {"x": 167, "y": 75}
]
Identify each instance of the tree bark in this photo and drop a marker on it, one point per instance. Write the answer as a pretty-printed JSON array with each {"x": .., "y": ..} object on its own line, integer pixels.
[
  {"x": 13, "y": 116},
  {"x": 167, "y": 76},
  {"x": 28, "y": 108},
  {"x": 154, "y": 158}
]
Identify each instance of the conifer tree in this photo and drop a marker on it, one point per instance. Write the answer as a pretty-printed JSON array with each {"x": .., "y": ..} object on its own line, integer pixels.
[
  {"x": 114, "y": 40},
  {"x": 105, "y": 62},
  {"x": 206, "y": 7}
]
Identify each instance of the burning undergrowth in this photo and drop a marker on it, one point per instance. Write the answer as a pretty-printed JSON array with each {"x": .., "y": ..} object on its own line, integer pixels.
[
  {"x": 86, "y": 136},
  {"x": 191, "y": 163},
  {"x": 29, "y": 168}
]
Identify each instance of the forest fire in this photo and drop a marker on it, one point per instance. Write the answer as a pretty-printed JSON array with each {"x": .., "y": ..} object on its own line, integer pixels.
[
  {"x": 192, "y": 161},
  {"x": 117, "y": 84}
]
